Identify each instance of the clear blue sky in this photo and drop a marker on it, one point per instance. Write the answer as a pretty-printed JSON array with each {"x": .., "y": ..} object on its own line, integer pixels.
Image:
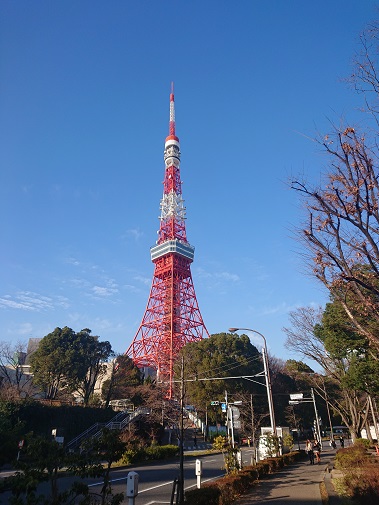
[{"x": 84, "y": 100}]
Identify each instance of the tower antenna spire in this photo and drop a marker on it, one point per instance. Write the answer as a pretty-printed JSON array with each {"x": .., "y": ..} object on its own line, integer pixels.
[
  {"x": 172, "y": 113},
  {"x": 172, "y": 317}
]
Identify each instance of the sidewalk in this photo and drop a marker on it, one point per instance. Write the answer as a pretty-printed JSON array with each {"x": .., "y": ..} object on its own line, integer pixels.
[{"x": 297, "y": 484}]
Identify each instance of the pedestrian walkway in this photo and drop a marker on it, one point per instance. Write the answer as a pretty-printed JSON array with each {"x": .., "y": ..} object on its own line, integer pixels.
[{"x": 297, "y": 484}]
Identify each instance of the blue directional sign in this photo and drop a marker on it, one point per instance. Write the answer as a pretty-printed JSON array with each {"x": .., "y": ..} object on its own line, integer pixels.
[{"x": 223, "y": 407}]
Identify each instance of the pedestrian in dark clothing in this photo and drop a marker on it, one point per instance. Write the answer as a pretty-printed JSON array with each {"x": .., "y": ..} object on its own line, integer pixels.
[
  {"x": 317, "y": 450},
  {"x": 342, "y": 442}
]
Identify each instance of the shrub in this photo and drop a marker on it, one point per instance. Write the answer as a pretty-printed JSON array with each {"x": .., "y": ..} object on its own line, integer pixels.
[
  {"x": 361, "y": 473},
  {"x": 252, "y": 472},
  {"x": 207, "y": 495},
  {"x": 271, "y": 444},
  {"x": 364, "y": 442},
  {"x": 161, "y": 451},
  {"x": 135, "y": 453},
  {"x": 131, "y": 455},
  {"x": 274, "y": 464},
  {"x": 231, "y": 487},
  {"x": 363, "y": 485},
  {"x": 288, "y": 441},
  {"x": 351, "y": 457},
  {"x": 263, "y": 468}
]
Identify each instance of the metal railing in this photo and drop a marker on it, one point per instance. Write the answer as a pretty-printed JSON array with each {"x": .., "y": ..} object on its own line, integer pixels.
[{"x": 118, "y": 422}]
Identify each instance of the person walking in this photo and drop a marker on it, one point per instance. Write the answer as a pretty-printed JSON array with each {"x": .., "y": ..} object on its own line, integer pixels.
[
  {"x": 317, "y": 451},
  {"x": 342, "y": 442},
  {"x": 309, "y": 451}
]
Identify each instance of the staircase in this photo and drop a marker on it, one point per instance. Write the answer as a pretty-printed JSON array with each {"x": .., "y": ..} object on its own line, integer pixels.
[{"x": 118, "y": 422}]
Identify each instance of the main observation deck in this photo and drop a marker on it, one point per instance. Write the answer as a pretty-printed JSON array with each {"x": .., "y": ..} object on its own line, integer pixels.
[{"x": 172, "y": 247}]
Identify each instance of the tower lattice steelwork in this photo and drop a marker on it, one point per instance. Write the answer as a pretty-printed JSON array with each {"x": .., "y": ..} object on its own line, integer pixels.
[{"x": 172, "y": 317}]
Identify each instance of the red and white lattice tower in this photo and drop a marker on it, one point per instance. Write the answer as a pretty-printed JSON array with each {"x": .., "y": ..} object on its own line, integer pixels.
[{"x": 172, "y": 317}]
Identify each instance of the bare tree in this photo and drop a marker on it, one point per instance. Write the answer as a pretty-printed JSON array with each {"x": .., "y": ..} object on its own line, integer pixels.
[
  {"x": 348, "y": 401},
  {"x": 15, "y": 382},
  {"x": 342, "y": 213},
  {"x": 300, "y": 335}
]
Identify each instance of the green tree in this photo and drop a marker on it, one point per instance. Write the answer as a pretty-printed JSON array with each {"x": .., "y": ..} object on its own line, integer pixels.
[
  {"x": 54, "y": 361},
  {"x": 92, "y": 356},
  {"x": 43, "y": 459},
  {"x": 11, "y": 432},
  {"x": 220, "y": 355},
  {"x": 96, "y": 460},
  {"x": 66, "y": 361},
  {"x": 356, "y": 362},
  {"x": 333, "y": 344}
]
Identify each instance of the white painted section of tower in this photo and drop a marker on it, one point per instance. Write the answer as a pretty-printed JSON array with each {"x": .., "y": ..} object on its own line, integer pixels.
[
  {"x": 172, "y": 154},
  {"x": 172, "y": 205}
]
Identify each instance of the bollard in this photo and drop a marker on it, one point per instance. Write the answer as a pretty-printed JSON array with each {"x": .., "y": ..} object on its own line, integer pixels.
[
  {"x": 198, "y": 471},
  {"x": 132, "y": 486}
]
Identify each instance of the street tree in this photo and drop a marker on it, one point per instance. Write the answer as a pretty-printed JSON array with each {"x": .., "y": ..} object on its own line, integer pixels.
[
  {"x": 332, "y": 344},
  {"x": 221, "y": 355},
  {"x": 356, "y": 362},
  {"x": 341, "y": 225}
]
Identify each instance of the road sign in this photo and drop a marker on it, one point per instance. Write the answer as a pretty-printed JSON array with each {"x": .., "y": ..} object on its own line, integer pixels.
[
  {"x": 294, "y": 402},
  {"x": 237, "y": 424},
  {"x": 215, "y": 403},
  {"x": 236, "y": 412},
  {"x": 223, "y": 407},
  {"x": 296, "y": 396}
]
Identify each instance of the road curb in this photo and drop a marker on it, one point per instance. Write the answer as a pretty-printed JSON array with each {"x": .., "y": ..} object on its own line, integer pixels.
[{"x": 328, "y": 493}]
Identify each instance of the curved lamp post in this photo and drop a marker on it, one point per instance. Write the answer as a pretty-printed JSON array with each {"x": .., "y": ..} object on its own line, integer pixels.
[{"x": 267, "y": 376}]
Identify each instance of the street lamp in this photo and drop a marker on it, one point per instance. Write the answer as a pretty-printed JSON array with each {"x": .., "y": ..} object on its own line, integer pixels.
[{"x": 267, "y": 376}]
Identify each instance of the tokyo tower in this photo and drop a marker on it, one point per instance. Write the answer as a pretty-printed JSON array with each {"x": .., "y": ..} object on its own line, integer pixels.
[{"x": 172, "y": 317}]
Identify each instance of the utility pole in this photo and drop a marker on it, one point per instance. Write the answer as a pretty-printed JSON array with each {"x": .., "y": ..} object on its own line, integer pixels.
[
  {"x": 317, "y": 418},
  {"x": 373, "y": 417},
  {"x": 180, "y": 501},
  {"x": 252, "y": 428}
]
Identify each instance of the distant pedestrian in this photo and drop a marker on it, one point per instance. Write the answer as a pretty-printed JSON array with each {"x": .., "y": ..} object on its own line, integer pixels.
[
  {"x": 332, "y": 443},
  {"x": 317, "y": 450},
  {"x": 342, "y": 442},
  {"x": 309, "y": 451},
  {"x": 195, "y": 441}
]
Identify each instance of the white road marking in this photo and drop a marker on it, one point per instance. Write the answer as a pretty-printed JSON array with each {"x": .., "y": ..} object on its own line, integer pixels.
[{"x": 189, "y": 487}]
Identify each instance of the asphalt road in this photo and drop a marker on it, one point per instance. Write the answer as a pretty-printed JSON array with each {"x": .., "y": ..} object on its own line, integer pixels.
[{"x": 156, "y": 480}]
